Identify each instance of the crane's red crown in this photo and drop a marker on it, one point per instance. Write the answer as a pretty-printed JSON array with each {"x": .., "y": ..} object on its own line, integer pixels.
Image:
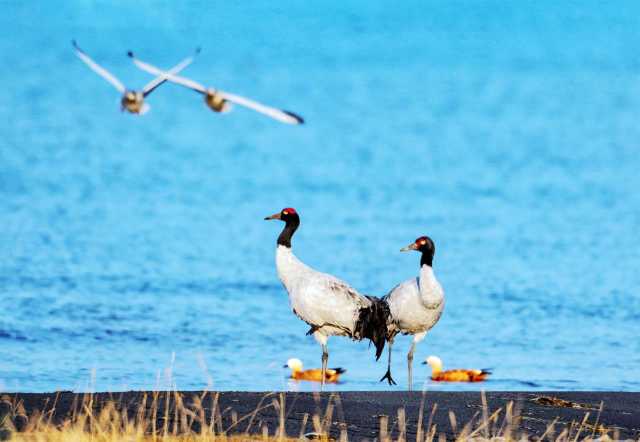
[{"x": 289, "y": 211}]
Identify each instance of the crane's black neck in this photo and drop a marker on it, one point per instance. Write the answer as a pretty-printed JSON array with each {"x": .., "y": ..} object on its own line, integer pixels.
[
  {"x": 292, "y": 223},
  {"x": 427, "y": 258}
]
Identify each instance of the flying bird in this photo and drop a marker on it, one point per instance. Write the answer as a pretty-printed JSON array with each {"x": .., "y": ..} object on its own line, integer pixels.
[
  {"x": 415, "y": 304},
  {"x": 132, "y": 100},
  {"x": 220, "y": 101},
  {"x": 329, "y": 305},
  {"x": 314, "y": 374},
  {"x": 455, "y": 375}
]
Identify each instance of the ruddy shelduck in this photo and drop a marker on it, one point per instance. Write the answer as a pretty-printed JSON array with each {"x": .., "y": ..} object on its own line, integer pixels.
[
  {"x": 314, "y": 374},
  {"x": 456, "y": 374}
]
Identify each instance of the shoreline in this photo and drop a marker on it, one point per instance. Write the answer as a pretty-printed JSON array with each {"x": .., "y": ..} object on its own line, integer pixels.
[{"x": 359, "y": 412}]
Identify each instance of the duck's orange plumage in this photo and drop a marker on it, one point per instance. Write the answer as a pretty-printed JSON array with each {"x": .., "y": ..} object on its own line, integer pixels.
[
  {"x": 315, "y": 374},
  {"x": 460, "y": 375},
  {"x": 455, "y": 375},
  {"x": 332, "y": 375}
]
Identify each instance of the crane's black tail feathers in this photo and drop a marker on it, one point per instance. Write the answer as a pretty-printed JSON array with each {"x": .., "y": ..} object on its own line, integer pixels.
[{"x": 372, "y": 323}]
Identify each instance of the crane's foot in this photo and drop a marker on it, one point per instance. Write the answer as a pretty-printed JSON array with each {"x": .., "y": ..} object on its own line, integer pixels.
[{"x": 388, "y": 377}]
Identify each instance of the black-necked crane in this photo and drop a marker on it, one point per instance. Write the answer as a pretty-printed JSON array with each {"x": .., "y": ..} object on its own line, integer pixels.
[
  {"x": 415, "y": 304},
  {"x": 329, "y": 305}
]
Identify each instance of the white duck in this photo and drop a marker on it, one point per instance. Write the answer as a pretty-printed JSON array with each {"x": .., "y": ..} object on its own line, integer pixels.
[
  {"x": 416, "y": 304},
  {"x": 132, "y": 101},
  {"x": 220, "y": 101},
  {"x": 330, "y": 306}
]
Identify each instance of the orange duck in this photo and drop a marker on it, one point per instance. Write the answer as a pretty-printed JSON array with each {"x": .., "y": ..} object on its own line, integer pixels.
[
  {"x": 455, "y": 375},
  {"x": 313, "y": 374}
]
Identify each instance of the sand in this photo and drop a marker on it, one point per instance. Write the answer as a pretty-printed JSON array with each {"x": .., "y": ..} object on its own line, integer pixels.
[{"x": 362, "y": 410}]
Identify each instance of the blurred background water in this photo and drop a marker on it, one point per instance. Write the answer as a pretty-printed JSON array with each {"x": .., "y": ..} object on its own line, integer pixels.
[{"x": 508, "y": 132}]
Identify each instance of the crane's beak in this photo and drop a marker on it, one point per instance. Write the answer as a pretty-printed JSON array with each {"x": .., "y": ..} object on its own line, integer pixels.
[
  {"x": 274, "y": 216},
  {"x": 411, "y": 246}
]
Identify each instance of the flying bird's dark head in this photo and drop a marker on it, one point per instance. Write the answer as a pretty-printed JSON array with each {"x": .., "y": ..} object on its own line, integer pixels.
[{"x": 286, "y": 215}]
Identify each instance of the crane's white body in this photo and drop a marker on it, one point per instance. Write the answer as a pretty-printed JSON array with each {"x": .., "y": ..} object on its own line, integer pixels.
[
  {"x": 321, "y": 300},
  {"x": 416, "y": 304}
]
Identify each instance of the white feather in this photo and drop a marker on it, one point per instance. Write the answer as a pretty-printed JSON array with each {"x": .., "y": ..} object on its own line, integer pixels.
[
  {"x": 164, "y": 76},
  {"x": 153, "y": 70},
  {"x": 318, "y": 298},
  {"x": 416, "y": 304},
  {"x": 274, "y": 113},
  {"x": 95, "y": 67}
]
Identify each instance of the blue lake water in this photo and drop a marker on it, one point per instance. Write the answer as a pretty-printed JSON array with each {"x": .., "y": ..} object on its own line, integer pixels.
[{"x": 133, "y": 251}]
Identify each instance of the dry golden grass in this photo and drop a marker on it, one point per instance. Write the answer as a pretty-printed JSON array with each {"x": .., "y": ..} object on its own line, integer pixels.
[{"x": 154, "y": 420}]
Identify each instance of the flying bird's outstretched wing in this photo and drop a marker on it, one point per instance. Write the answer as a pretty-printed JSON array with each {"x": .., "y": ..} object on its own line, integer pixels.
[
  {"x": 277, "y": 114},
  {"x": 162, "y": 76},
  {"x": 186, "y": 82},
  {"x": 151, "y": 69},
  {"x": 98, "y": 69}
]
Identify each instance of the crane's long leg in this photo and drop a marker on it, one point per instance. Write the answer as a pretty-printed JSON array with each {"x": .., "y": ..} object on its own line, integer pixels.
[
  {"x": 410, "y": 364},
  {"x": 387, "y": 375},
  {"x": 325, "y": 359}
]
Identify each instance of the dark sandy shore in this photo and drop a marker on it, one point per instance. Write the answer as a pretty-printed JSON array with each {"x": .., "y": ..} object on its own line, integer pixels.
[{"x": 361, "y": 411}]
